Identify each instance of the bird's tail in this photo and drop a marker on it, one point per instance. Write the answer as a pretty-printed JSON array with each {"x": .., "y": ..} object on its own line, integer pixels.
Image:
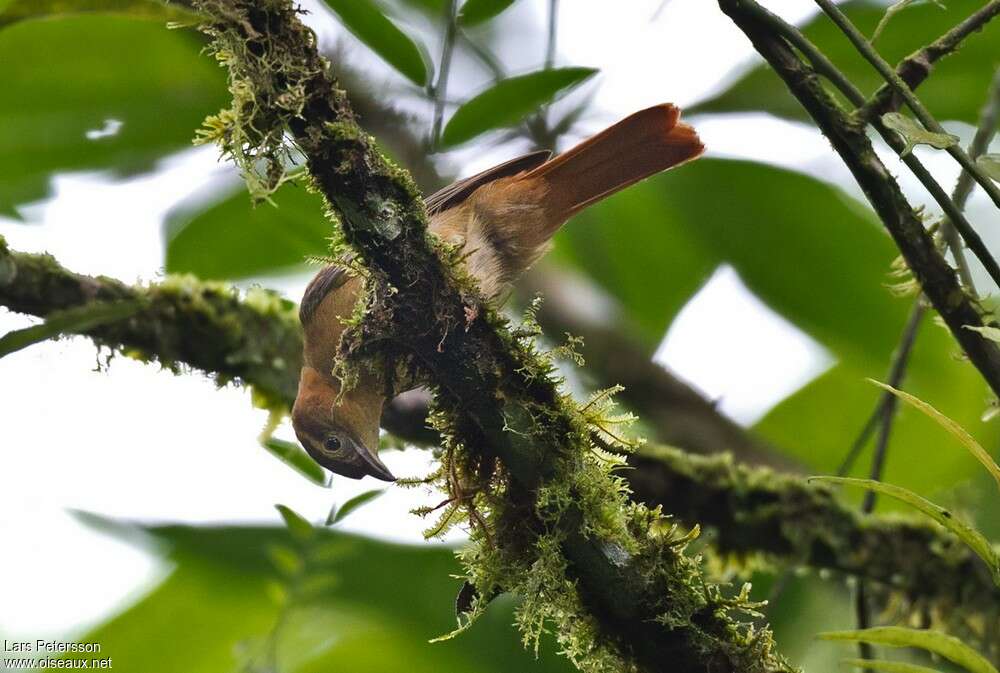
[{"x": 641, "y": 145}]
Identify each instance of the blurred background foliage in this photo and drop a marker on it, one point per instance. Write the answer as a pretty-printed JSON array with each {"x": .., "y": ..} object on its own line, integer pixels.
[{"x": 134, "y": 92}]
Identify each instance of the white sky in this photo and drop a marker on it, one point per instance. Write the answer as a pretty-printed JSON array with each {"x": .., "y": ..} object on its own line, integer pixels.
[{"x": 138, "y": 443}]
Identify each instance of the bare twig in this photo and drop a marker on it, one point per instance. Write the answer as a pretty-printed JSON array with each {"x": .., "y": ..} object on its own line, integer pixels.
[
  {"x": 917, "y": 67},
  {"x": 824, "y": 66},
  {"x": 440, "y": 89},
  {"x": 887, "y": 404},
  {"x": 553, "y": 26},
  {"x": 849, "y": 140},
  {"x": 900, "y": 87}
]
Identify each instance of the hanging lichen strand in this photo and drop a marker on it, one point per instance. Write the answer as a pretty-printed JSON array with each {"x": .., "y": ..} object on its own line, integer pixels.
[{"x": 520, "y": 466}]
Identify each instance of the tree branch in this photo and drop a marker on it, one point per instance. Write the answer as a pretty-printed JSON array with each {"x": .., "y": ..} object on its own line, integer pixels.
[
  {"x": 752, "y": 511},
  {"x": 936, "y": 278},
  {"x": 254, "y": 338},
  {"x": 908, "y": 563},
  {"x": 917, "y": 67},
  {"x": 901, "y": 89},
  {"x": 611, "y": 588},
  {"x": 822, "y": 65}
]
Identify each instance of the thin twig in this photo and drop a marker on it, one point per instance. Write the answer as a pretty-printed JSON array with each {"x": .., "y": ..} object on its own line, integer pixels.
[
  {"x": 537, "y": 126},
  {"x": 897, "y": 372},
  {"x": 485, "y": 56},
  {"x": 865, "y": 48},
  {"x": 867, "y": 430},
  {"x": 440, "y": 90},
  {"x": 550, "y": 45},
  {"x": 933, "y": 273},
  {"x": 917, "y": 67},
  {"x": 888, "y": 403},
  {"x": 985, "y": 131},
  {"x": 824, "y": 66}
]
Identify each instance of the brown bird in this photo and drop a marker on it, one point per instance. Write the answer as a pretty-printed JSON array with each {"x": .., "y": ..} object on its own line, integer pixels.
[{"x": 504, "y": 219}]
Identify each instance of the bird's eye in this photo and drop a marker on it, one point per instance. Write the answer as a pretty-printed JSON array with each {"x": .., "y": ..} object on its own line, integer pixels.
[{"x": 332, "y": 443}]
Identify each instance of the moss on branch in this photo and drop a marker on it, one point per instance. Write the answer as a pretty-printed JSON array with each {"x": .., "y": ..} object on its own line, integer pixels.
[
  {"x": 755, "y": 514},
  {"x": 911, "y": 565},
  {"x": 253, "y": 337},
  {"x": 548, "y": 519}
]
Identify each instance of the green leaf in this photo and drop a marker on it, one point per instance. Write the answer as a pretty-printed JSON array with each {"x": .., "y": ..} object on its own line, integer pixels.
[
  {"x": 885, "y": 666},
  {"x": 295, "y": 457},
  {"x": 956, "y": 90},
  {"x": 297, "y": 524},
  {"x": 990, "y": 164},
  {"x": 232, "y": 239},
  {"x": 914, "y": 134},
  {"x": 358, "y": 501},
  {"x": 367, "y": 22},
  {"x": 477, "y": 11},
  {"x": 509, "y": 101},
  {"x": 20, "y": 10},
  {"x": 956, "y": 430},
  {"x": 970, "y": 536},
  {"x": 811, "y": 254},
  {"x": 69, "y": 77},
  {"x": 73, "y": 320},
  {"x": 949, "y": 647},
  {"x": 370, "y": 609}
]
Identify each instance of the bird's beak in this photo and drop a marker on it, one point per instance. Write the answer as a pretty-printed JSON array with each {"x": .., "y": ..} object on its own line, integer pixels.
[{"x": 371, "y": 464}]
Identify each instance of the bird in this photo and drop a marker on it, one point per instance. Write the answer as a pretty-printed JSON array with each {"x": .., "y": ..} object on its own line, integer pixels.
[{"x": 503, "y": 219}]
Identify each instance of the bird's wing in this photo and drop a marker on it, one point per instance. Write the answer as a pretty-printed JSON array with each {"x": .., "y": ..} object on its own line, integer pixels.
[
  {"x": 327, "y": 280},
  {"x": 458, "y": 191},
  {"x": 334, "y": 276}
]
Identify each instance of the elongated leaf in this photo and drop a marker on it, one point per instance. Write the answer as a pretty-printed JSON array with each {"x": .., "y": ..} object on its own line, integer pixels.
[
  {"x": 297, "y": 524},
  {"x": 949, "y": 647},
  {"x": 951, "y": 426},
  {"x": 885, "y": 666},
  {"x": 20, "y": 10},
  {"x": 969, "y": 535},
  {"x": 477, "y": 11},
  {"x": 72, "y": 320},
  {"x": 296, "y": 458},
  {"x": 358, "y": 501},
  {"x": 371, "y": 26},
  {"x": 509, "y": 101}
]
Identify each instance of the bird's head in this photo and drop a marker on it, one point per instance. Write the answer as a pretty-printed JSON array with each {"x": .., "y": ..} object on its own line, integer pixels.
[{"x": 342, "y": 436}]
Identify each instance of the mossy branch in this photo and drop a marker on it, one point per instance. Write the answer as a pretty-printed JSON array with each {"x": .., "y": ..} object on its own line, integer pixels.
[
  {"x": 555, "y": 526},
  {"x": 911, "y": 566},
  {"x": 253, "y": 337},
  {"x": 753, "y": 512}
]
